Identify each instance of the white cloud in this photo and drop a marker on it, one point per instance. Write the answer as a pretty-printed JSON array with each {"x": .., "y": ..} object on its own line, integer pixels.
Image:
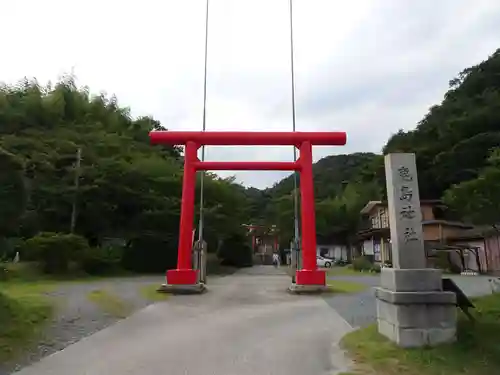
[{"x": 366, "y": 67}]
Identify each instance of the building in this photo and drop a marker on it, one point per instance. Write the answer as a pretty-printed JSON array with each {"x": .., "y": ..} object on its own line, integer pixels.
[
  {"x": 477, "y": 249},
  {"x": 264, "y": 242},
  {"x": 374, "y": 236},
  {"x": 333, "y": 251}
]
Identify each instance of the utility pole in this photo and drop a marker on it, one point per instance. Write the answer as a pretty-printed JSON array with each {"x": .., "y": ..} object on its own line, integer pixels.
[{"x": 76, "y": 185}]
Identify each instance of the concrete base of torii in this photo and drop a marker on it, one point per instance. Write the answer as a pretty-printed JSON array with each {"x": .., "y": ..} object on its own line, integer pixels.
[
  {"x": 182, "y": 289},
  {"x": 308, "y": 289},
  {"x": 182, "y": 281}
]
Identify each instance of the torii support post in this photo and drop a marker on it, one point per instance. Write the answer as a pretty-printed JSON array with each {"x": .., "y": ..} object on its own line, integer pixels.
[{"x": 309, "y": 275}]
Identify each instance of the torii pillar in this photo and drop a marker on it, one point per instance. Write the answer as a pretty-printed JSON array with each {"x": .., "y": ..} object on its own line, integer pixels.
[{"x": 185, "y": 277}]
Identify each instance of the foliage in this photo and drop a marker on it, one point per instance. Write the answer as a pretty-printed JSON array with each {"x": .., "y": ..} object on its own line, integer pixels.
[
  {"x": 375, "y": 268},
  {"x": 362, "y": 263},
  {"x": 4, "y": 272},
  {"x": 25, "y": 271},
  {"x": 453, "y": 140},
  {"x": 23, "y": 313},
  {"x": 477, "y": 200},
  {"x": 236, "y": 251},
  {"x": 345, "y": 286},
  {"x": 102, "y": 260},
  {"x": 150, "y": 254},
  {"x": 55, "y": 251},
  {"x": 476, "y": 351},
  {"x": 127, "y": 188},
  {"x": 12, "y": 192},
  {"x": 452, "y": 144},
  {"x": 132, "y": 191},
  {"x": 343, "y": 185}
]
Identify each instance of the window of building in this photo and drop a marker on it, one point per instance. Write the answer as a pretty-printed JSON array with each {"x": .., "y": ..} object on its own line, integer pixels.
[{"x": 384, "y": 219}]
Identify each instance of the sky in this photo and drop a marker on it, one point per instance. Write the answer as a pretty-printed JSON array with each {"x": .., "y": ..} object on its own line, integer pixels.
[{"x": 367, "y": 67}]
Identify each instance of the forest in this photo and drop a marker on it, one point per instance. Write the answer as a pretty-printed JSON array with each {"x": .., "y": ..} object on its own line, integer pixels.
[{"x": 118, "y": 203}]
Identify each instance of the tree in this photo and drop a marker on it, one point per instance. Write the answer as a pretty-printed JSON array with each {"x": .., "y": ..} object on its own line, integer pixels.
[
  {"x": 478, "y": 200},
  {"x": 12, "y": 192},
  {"x": 12, "y": 196},
  {"x": 128, "y": 189}
]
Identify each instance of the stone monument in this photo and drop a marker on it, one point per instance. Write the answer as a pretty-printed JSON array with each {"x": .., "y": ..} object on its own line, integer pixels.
[{"x": 412, "y": 308}]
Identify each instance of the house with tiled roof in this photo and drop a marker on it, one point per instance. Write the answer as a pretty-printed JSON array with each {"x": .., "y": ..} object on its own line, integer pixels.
[{"x": 466, "y": 247}]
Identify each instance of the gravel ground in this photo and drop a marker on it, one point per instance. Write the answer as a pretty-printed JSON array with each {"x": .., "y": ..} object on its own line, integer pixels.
[
  {"x": 359, "y": 310},
  {"x": 76, "y": 317}
]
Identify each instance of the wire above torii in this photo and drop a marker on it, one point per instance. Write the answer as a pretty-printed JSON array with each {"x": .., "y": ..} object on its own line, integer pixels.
[
  {"x": 295, "y": 177},
  {"x": 295, "y": 182},
  {"x": 200, "y": 220}
]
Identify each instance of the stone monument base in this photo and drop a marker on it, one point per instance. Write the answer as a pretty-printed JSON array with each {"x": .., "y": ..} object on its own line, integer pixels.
[
  {"x": 182, "y": 289},
  {"x": 412, "y": 308}
]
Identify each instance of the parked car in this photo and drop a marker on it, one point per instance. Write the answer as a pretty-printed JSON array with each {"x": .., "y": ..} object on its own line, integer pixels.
[{"x": 323, "y": 262}]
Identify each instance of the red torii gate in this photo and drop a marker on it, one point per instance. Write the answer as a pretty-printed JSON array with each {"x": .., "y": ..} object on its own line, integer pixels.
[{"x": 193, "y": 140}]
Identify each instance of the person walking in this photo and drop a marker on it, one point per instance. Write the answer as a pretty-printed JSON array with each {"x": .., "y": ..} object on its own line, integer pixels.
[{"x": 276, "y": 259}]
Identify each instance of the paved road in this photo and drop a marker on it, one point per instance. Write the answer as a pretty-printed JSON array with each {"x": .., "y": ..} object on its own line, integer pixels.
[
  {"x": 246, "y": 324},
  {"x": 360, "y": 310}
]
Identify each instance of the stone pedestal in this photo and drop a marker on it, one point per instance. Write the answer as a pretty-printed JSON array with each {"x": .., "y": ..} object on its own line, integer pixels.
[{"x": 412, "y": 308}]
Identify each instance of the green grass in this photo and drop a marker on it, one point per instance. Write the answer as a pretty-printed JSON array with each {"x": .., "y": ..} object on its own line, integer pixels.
[
  {"x": 150, "y": 293},
  {"x": 347, "y": 271},
  {"x": 476, "y": 352},
  {"x": 30, "y": 272},
  {"x": 110, "y": 303},
  {"x": 23, "y": 311},
  {"x": 343, "y": 286}
]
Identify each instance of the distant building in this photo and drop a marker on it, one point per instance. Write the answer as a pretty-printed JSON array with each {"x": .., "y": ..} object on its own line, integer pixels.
[{"x": 463, "y": 244}]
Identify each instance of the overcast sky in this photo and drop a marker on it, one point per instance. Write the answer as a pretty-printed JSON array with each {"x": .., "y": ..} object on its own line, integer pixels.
[{"x": 367, "y": 67}]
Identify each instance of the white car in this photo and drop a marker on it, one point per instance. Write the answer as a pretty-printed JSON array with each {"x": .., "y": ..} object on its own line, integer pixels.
[{"x": 323, "y": 262}]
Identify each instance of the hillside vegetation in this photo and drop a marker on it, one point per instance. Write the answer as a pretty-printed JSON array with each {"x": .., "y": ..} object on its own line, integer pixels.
[
  {"x": 131, "y": 191},
  {"x": 457, "y": 147},
  {"x": 128, "y": 190}
]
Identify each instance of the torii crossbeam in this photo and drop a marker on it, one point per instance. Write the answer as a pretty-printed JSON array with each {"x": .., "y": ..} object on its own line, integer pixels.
[{"x": 309, "y": 274}]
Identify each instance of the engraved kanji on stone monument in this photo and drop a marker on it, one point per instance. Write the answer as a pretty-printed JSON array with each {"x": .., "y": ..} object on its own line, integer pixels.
[
  {"x": 406, "y": 194},
  {"x": 412, "y": 308},
  {"x": 410, "y": 235},
  {"x": 405, "y": 216},
  {"x": 407, "y": 212},
  {"x": 404, "y": 173}
]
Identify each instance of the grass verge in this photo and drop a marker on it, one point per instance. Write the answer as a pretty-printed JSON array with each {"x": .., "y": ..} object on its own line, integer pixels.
[
  {"x": 343, "y": 286},
  {"x": 476, "y": 352},
  {"x": 110, "y": 303},
  {"x": 150, "y": 293},
  {"x": 23, "y": 311},
  {"x": 347, "y": 271}
]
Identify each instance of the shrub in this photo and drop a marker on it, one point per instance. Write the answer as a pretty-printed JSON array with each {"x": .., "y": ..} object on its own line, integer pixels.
[
  {"x": 362, "y": 263},
  {"x": 55, "y": 251},
  {"x": 26, "y": 271},
  {"x": 4, "y": 272},
  {"x": 236, "y": 251},
  {"x": 442, "y": 261},
  {"x": 150, "y": 253},
  {"x": 375, "y": 268},
  {"x": 102, "y": 260}
]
